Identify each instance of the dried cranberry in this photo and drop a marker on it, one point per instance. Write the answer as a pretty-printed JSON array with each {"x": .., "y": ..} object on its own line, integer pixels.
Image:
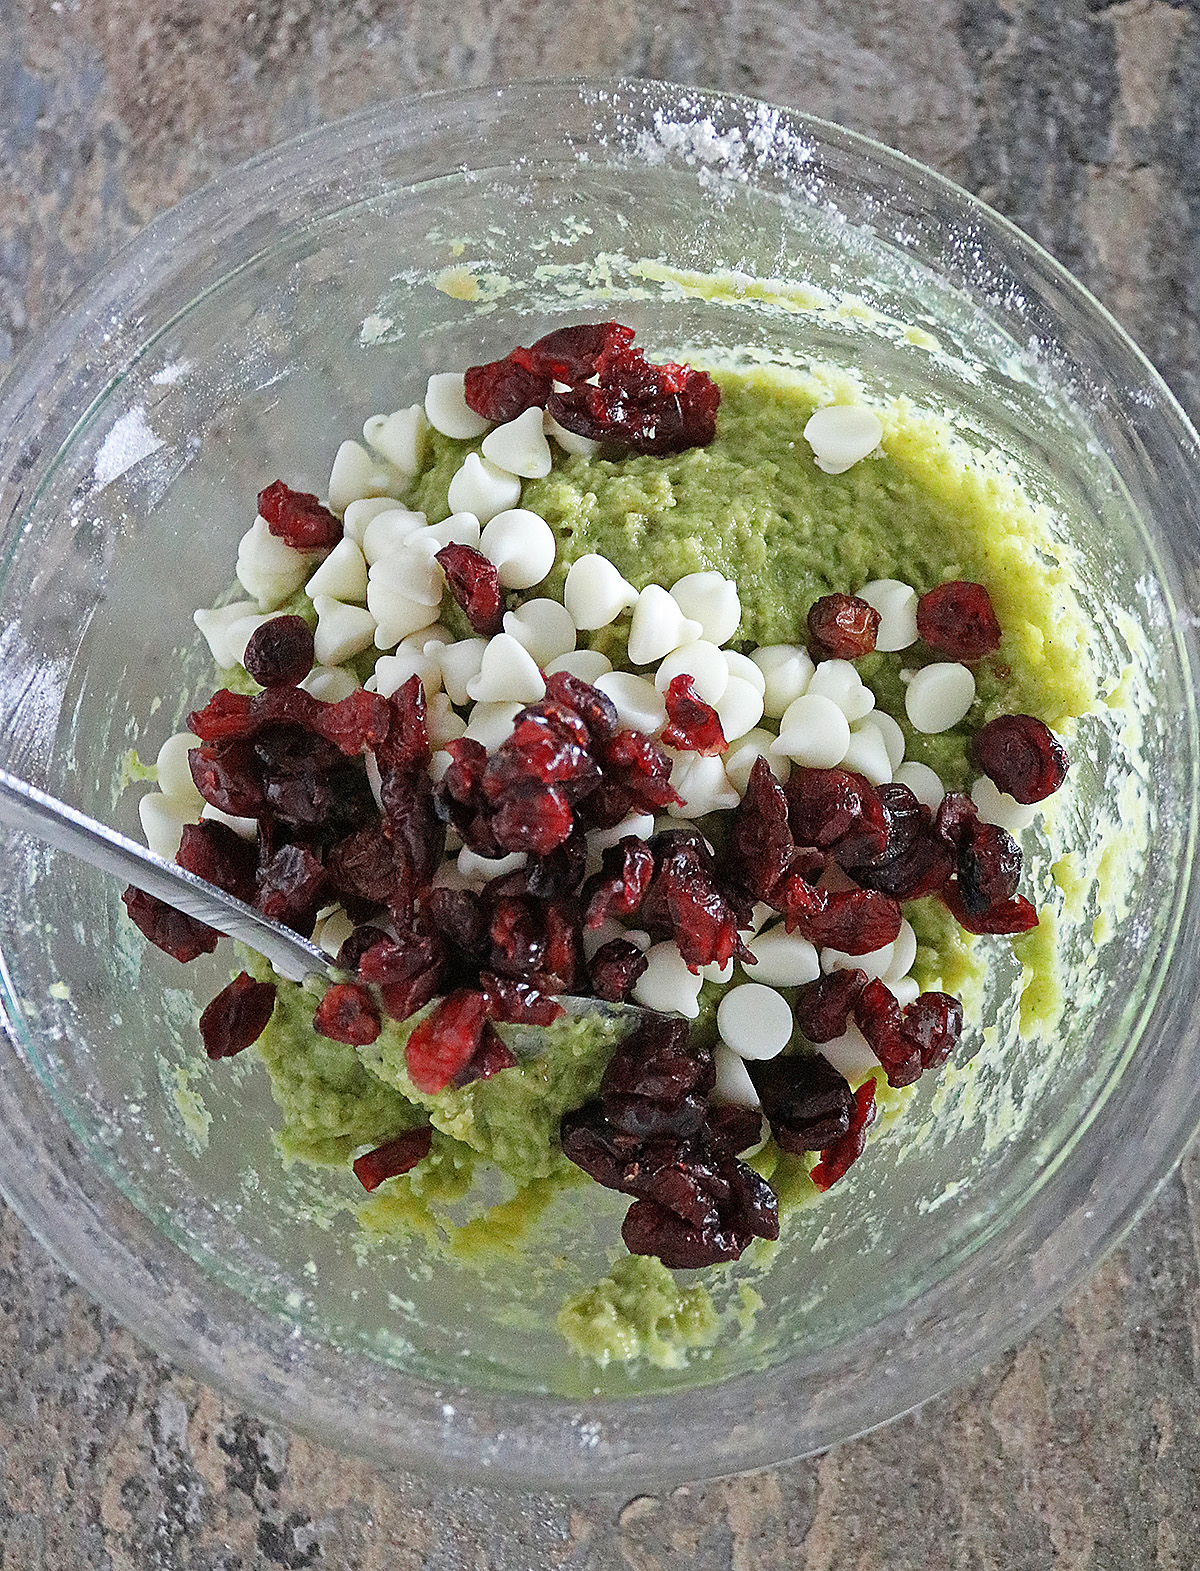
[
  {"x": 855, "y": 921},
  {"x": 807, "y": 1102},
  {"x": 176, "y": 934},
  {"x": 517, "y": 936},
  {"x": 614, "y": 970},
  {"x": 475, "y": 584},
  {"x": 406, "y": 746},
  {"x": 823, "y": 1006},
  {"x": 759, "y": 848},
  {"x": 226, "y": 774},
  {"x": 594, "y": 708},
  {"x": 650, "y": 1229},
  {"x": 359, "y": 721},
  {"x": 955, "y": 820},
  {"x": 533, "y": 819},
  {"x": 656, "y": 1060},
  {"x": 394, "y": 1157},
  {"x": 458, "y": 915},
  {"x": 594, "y": 1144},
  {"x": 989, "y": 867},
  {"x": 412, "y": 825},
  {"x": 298, "y": 518},
  {"x": 226, "y": 715},
  {"x": 561, "y": 873},
  {"x": 563, "y": 957},
  {"x": 559, "y": 717},
  {"x": 291, "y": 887},
  {"x": 361, "y": 865},
  {"x": 237, "y": 1016},
  {"x": 657, "y": 409},
  {"x": 683, "y": 902},
  {"x": 570, "y": 354},
  {"x": 957, "y": 620},
  {"x": 217, "y": 854},
  {"x": 692, "y": 725},
  {"x": 618, "y": 889},
  {"x": 838, "y": 812},
  {"x": 402, "y": 999},
  {"x": 516, "y": 1002},
  {"x": 347, "y": 1014},
  {"x": 304, "y": 778},
  {"x": 408, "y": 970},
  {"x": 539, "y": 753},
  {"x": 908, "y": 1041},
  {"x": 840, "y": 1156},
  {"x": 280, "y": 652},
  {"x": 492, "y": 1055},
  {"x": 1009, "y": 916},
  {"x": 501, "y": 390},
  {"x": 732, "y": 1129},
  {"x": 843, "y": 627},
  {"x": 445, "y": 1041},
  {"x": 1022, "y": 756}
]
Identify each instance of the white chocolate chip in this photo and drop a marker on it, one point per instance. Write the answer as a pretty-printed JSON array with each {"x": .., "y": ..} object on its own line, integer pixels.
[
  {"x": 742, "y": 666},
  {"x": 595, "y": 938},
  {"x": 893, "y": 736},
  {"x": 330, "y": 683},
  {"x": 867, "y": 753},
  {"x": 741, "y": 757},
  {"x": 714, "y": 972},
  {"x": 356, "y": 474},
  {"x": 480, "y": 487},
  {"x": 896, "y": 603},
  {"x": 359, "y": 514},
  {"x": 703, "y": 785},
  {"x": 588, "y": 665},
  {"x": 667, "y": 984},
  {"x": 875, "y": 964},
  {"x": 544, "y": 627},
  {"x": 269, "y": 569},
  {"x": 998, "y": 808},
  {"x": 838, "y": 680},
  {"x": 162, "y": 823},
  {"x": 904, "y": 953},
  {"x": 787, "y": 670},
  {"x": 658, "y": 626},
  {"x": 492, "y": 724},
  {"x": 939, "y": 696},
  {"x": 387, "y": 531},
  {"x": 755, "y": 1021},
  {"x": 507, "y": 674},
  {"x": 595, "y": 594},
  {"x": 484, "y": 868},
  {"x": 174, "y": 773},
  {"x": 923, "y": 782},
  {"x": 639, "y": 703},
  {"x": 441, "y": 721},
  {"x": 447, "y": 410},
  {"x": 409, "y": 571},
  {"x": 392, "y": 671},
  {"x": 218, "y": 627},
  {"x": 841, "y": 434},
  {"x": 244, "y": 828},
  {"x": 585, "y": 446},
  {"x": 739, "y": 708},
  {"x": 733, "y": 1085},
  {"x": 906, "y": 990},
  {"x": 813, "y": 732},
  {"x": 520, "y": 447},
  {"x": 342, "y": 575},
  {"x": 520, "y": 545},
  {"x": 459, "y": 665},
  {"x": 704, "y": 663},
  {"x": 784, "y": 959},
  {"x": 849, "y": 1053},
  {"x": 398, "y": 615},
  {"x": 342, "y": 630},
  {"x": 712, "y": 600},
  {"x": 333, "y": 931},
  {"x": 401, "y": 438},
  {"x": 639, "y": 825}
]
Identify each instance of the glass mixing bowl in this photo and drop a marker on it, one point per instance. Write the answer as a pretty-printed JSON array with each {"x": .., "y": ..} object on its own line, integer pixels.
[{"x": 242, "y": 336}]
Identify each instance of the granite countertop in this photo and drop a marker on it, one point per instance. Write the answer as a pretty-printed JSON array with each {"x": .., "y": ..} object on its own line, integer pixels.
[{"x": 1077, "y": 1449}]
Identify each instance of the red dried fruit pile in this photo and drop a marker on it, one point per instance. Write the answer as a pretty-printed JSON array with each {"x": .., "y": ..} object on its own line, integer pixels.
[
  {"x": 607, "y": 390},
  {"x": 692, "y": 725},
  {"x": 652, "y": 1134}
]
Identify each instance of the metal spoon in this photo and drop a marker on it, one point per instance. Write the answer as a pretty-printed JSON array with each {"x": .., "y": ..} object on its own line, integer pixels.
[{"x": 36, "y": 813}]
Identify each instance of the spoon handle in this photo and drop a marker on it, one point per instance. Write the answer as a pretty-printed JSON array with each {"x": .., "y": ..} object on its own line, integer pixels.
[{"x": 25, "y": 808}]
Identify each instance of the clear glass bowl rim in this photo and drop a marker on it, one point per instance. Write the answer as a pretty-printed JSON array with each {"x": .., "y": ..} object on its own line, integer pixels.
[{"x": 347, "y": 1401}]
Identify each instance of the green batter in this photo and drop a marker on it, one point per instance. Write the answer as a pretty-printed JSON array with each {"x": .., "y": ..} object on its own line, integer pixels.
[{"x": 754, "y": 506}]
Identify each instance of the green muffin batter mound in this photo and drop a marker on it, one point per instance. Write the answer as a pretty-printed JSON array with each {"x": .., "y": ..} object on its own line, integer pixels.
[{"x": 754, "y": 506}]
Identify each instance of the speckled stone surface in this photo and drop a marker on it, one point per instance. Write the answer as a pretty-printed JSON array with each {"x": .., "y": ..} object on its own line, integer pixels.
[{"x": 1078, "y": 1449}]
